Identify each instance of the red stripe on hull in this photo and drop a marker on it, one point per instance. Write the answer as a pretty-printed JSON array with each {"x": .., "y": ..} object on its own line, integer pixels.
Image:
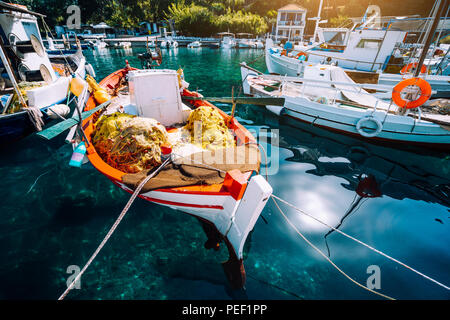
[
  {"x": 384, "y": 141},
  {"x": 171, "y": 203}
]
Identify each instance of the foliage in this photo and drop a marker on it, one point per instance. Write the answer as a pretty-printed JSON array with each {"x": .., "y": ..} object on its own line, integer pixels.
[
  {"x": 201, "y": 21},
  {"x": 129, "y": 13},
  {"x": 240, "y": 21},
  {"x": 339, "y": 21},
  {"x": 192, "y": 19}
]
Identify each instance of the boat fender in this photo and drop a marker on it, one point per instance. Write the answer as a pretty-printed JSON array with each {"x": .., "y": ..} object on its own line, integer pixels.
[
  {"x": 57, "y": 111},
  {"x": 78, "y": 155},
  {"x": 90, "y": 70},
  {"x": 366, "y": 119},
  {"x": 425, "y": 93}
]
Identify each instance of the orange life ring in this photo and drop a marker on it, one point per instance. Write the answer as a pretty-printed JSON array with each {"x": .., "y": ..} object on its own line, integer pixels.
[
  {"x": 283, "y": 53},
  {"x": 425, "y": 93},
  {"x": 408, "y": 67}
]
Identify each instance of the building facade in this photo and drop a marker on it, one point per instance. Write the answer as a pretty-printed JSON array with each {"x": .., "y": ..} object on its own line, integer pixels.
[{"x": 291, "y": 22}]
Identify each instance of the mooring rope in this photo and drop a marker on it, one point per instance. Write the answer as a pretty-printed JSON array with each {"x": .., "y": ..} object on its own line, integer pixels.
[
  {"x": 35, "y": 115},
  {"x": 363, "y": 243},
  {"x": 324, "y": 255},
  {"x": 343, "y": 233},
  {"x": 113, "y": 228}
]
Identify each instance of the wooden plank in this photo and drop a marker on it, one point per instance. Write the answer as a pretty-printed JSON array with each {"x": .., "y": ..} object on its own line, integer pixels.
[
  {"x": 263, "y": 101},
  {"x": 62, "y": 126}
]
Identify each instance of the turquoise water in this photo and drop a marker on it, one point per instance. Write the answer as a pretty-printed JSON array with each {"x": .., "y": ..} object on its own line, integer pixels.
[{"x": 54, "y": 216}]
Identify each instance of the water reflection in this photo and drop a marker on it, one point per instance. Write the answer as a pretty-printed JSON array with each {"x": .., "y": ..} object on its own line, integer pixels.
[{"x": 396, "y": 172}]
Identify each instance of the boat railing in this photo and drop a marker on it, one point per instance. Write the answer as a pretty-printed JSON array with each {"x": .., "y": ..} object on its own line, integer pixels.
[
  {"x": 350, "y": 87},
  {"x": 380, "y": 64}
]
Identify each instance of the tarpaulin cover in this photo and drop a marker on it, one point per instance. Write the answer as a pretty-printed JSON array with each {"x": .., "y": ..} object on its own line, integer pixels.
[{"x": 201, "y": 168}]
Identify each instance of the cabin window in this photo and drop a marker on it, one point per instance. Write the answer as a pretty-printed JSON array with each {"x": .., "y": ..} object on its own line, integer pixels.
[
  {"x": 369, "y": 44},
  {"x": 31, "y": 29},
  {"x": 335, "y": 37}
]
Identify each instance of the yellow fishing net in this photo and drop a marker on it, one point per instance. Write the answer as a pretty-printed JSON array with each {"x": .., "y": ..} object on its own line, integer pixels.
[
  {"x": 24, "y": 86},
  {"x": 129, "y": 143},
  {"x": 207, "y": 129}
]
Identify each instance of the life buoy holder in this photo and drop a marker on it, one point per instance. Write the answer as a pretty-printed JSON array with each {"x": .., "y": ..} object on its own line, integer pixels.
[
  {"x": 425, "y": 93},
  {"x": 414, "y": 65},
  {"x": 378, "y": 124}
]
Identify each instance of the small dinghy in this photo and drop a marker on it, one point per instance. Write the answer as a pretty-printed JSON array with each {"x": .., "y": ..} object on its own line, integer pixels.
[{"x": 152, "y": 117}]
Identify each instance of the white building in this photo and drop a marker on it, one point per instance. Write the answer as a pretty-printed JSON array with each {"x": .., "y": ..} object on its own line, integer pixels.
[{"x": 291, "y": 22}]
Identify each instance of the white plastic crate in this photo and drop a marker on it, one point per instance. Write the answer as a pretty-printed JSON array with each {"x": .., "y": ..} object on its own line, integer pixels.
[{"x": 155, "y": 93}]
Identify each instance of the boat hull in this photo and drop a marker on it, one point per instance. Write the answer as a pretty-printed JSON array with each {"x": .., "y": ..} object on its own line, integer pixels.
[
  {"x": 15, "y": 127},
  {"x": 396, "y": 129},
  {"x": 393, "y": 128}
]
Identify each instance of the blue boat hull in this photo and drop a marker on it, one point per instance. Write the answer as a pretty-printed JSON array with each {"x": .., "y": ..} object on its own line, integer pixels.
[{"x": 16, "y": 126}]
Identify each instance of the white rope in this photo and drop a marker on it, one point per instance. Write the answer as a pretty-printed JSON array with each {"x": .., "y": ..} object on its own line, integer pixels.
[
  {"x": 35, "y": 115},
  {"x": 364, "y": 244},
  {"x": 113, "y": 228},
  {"x": 328, "y": 259}
]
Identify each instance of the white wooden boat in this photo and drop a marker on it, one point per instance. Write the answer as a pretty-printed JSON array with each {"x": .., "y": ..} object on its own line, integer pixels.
[
  {"x": 228, "y": 210},
  {"x": 292, "y": 65},
  {"x": 195, "y": 44},
  {"x": 26, "y": 61},
  {"x": 227, "y": 41},
  {"x": 327, "y": 97}
]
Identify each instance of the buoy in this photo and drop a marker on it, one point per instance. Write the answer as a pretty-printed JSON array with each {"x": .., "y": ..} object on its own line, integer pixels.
[
  {"x": 77, "y": 156},
  {"x": 425, "y": 93},
  {"x": 301, "y": 56},
  {"x": 77, "y": 85},
  {"x": 372, "y": 119},
  {"x": 58, "y": 110}
]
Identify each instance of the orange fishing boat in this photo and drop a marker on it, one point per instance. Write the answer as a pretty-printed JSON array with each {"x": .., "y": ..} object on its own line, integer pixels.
[{"x": 226, "y": 197}]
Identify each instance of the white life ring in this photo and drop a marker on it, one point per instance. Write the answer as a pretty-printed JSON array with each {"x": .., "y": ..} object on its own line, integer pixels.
[
  {"x": 366, "y": 134},
  {"x": 90, "y": 70}
]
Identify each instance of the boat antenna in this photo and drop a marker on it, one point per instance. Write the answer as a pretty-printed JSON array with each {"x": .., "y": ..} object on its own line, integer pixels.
[
  {"x": 429, "y": 35},
  {"x": 318, "y": 19}
]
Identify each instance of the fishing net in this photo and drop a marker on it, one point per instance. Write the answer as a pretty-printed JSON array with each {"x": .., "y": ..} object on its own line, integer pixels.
[
  {"x": 207, "y": 129},
  {"x": 24, "y": 86},
  {"x": 129, "y": 143}
]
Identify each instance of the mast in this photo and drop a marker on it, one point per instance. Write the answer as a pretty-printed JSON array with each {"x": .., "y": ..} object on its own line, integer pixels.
[
  {"x": 429, "y": 35},
  {"x": 317, "y": 19}
]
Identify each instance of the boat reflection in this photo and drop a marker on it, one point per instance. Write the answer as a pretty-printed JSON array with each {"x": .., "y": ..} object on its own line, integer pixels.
[
  {"x": 370, "y": 171},
  {"x": 395, "y": 172}
]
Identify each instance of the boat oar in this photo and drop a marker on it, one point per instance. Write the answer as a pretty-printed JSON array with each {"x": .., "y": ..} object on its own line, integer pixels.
[
  {"x": 259, "y": 101},
  {"x": 62, "y": 126}
]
